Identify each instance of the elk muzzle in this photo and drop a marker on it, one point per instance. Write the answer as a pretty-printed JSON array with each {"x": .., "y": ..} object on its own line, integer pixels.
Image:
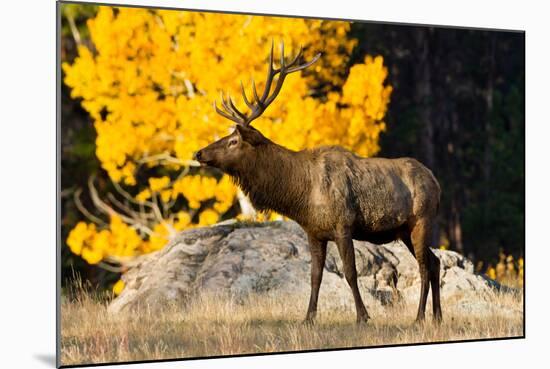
[{"x": 204, "y": 157}]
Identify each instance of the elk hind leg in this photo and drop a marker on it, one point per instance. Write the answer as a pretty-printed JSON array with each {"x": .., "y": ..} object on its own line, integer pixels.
[
  {"x": 419, "y": 245},
  {"x": 434, "y": 267}
]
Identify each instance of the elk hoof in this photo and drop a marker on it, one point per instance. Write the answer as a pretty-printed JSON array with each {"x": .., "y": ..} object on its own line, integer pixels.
[{"x": 419, "y": 320}]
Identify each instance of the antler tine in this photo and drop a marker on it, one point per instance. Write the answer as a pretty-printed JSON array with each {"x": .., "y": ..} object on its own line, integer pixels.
[
  {"x": 285, "y": 70},
  {"x": 256, "y": 97},
  {"x": 246, "y": 101},
  {"x": 235, "y": 110},
  {"x": 230, "y": 111},
  {"x": 271, "y": 55},
  {"x": 225, "y": 115},
  {"x": 297, "y": 57},
  {"x": 229, "y": 106},
  {"x": 282, "y": 67},
  {"x": 225, "y": 105},
  {"x": 304, "y": 66},
  {"x": 271, "y": 72},
  {"x": 277, "y": 88},
  {"x": 259, "y": 104}
]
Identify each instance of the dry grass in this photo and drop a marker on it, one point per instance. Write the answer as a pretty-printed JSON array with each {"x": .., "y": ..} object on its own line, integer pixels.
[{"x": 213, "y": 326}]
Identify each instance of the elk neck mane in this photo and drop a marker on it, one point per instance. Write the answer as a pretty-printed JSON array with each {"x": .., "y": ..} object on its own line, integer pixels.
[{"x": 275, "y": 179}]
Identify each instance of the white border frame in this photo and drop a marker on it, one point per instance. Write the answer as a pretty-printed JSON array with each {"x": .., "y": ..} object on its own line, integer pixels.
[{"x": 29, "y": 193}]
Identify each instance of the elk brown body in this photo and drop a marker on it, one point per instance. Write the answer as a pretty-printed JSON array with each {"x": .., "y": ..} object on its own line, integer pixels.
[{"x": 334, "y": 194}]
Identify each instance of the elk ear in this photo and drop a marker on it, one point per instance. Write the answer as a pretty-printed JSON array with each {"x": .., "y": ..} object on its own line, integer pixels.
[{"x": 250, "y": 135}]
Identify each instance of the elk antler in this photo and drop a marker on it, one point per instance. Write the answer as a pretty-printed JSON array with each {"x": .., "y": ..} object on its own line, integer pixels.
[{"x": 260, "y": 103}]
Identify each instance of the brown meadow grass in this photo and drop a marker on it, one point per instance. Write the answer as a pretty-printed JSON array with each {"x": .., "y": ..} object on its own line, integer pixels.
[{"x": 218, "y": 325}]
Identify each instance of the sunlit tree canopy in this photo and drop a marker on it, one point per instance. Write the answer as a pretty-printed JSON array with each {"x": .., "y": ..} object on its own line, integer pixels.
[{"x": 149, "y": 83}]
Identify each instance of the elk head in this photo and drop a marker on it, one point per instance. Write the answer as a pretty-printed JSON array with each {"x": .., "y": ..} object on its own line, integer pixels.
[{"x": 227, "y": 152}]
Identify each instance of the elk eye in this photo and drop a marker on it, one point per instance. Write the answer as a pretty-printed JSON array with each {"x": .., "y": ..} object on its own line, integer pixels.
[{"x": 233, "y": 142}]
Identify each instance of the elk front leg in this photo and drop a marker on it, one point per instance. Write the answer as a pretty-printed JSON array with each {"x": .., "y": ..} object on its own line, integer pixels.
[
  {"x": 318, "y": 255},
  {"x": 347, "y": 254}
]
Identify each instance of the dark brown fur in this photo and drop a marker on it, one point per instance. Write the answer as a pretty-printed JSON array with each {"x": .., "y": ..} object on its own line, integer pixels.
[{"x": 338, "y": 196}]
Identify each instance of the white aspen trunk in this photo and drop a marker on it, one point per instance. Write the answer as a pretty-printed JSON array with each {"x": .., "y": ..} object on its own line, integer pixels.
[{"x": 246, "y": 206}]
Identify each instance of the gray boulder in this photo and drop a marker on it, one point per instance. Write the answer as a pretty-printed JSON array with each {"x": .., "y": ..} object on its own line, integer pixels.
[{"x": 273, "y": 258}]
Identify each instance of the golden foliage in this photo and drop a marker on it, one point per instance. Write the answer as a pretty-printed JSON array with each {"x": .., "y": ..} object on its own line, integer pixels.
[
  {"x": 93, "y": 244},
  {"x": 118, "y": 287},
  {"x": 149, "y": 84},
  {"x": 507, "y": 271}
]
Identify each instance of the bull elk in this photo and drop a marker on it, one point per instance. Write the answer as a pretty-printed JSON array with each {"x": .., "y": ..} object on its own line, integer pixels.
[{"x": 334, "y": 194}]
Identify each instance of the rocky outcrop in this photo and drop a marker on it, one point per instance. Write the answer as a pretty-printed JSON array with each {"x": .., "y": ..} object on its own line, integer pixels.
[{"x": 240, "y": 259}]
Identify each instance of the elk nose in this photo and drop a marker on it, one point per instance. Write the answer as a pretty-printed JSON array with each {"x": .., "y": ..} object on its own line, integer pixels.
[{"x": 198, "y": 155}]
